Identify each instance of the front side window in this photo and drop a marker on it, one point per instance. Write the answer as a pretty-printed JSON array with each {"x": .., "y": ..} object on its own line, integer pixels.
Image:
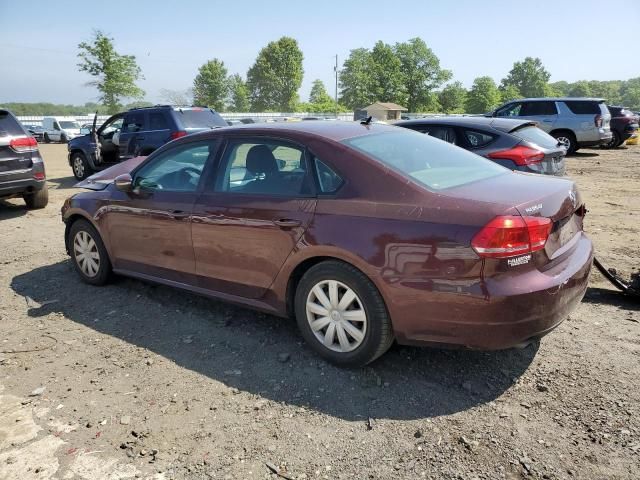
[
  {"x": 447, "y": 134},
  {"x": 265, "y": 167},
  {"x": 134, "y": 122},
  {"x": 175, "y": 170},
  {"x": 511, "y": 110},
  {"x": 114, "y": 126},
  {"x": 430, "y": 162}
]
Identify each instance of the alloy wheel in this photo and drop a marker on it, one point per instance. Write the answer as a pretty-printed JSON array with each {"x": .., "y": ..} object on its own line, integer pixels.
[
  {"x": 564, "y": 141},
  {"x": 336, "y": 316},
  {"x": 78, "y": 166},
  {"x": 86, "y": 253}
]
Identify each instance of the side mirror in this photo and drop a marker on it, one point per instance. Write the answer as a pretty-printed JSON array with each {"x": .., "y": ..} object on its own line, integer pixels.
[
  {"x": 124, "y": 182},
  {"x": 85, "y": 131}
]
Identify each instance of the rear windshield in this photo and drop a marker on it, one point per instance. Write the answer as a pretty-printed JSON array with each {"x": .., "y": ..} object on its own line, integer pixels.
[
  {"x": 584, "y": 107},
  {"x": 199, "y": 118},
  {"x": 433, "y": 163},
  {"x": 535, "y": 135},
  {"x": 9, "y": 125}
]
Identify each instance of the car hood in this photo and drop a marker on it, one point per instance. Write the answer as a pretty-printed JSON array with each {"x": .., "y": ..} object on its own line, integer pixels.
[{"x": 100, "y": 180}]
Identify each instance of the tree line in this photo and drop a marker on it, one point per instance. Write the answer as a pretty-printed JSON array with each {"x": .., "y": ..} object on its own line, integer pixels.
[{"x": 407, "y": 73}]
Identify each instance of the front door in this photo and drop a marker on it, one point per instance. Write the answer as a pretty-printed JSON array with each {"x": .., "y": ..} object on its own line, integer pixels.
[
  {"x": 249, "y": 220},
  {"x": 150, "y": 227}
]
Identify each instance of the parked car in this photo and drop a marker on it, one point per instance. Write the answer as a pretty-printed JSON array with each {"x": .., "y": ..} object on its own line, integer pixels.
[
  {"x": 515, "y": 144},
  {"x": 137, "y": 132},
  {"x": 60, "y": 129},
  {"x": 575, "y": 122},
  {"x": 36, "y": 131},
  {"x": 624, "y": 125},
  {"x": 363, "y": 233},
  {"x": 21, "y": 167}
]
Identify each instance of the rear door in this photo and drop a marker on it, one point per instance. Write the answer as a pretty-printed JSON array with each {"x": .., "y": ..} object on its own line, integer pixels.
[
  {"x": 132, "y": 135},
  {"x": 159, "y": 130},
  {"x": 545, "y": 113},
  {"x": 251, "y": 215}
]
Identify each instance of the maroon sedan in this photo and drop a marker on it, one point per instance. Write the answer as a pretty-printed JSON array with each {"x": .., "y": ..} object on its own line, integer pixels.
[{"x": 366, "y": 234}]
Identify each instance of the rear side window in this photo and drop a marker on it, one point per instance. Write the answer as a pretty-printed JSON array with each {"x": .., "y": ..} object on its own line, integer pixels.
[
  {"x": 199, "y": 118},
  {"x": 536, "y": 136},
  {"x": 9, "y": 125},
  {"x": 432, "y": 163},
  {"x": 584, "y": 107},
  {"x": 538, "y": 108},
  {"x": 328, "y": 180},
  {"x": 478, "y": 139},
  {"x": 157, "y": 121}
]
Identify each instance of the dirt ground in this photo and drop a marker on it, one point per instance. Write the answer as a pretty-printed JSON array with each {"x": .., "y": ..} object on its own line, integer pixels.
[{"x": 135, "y": 380}]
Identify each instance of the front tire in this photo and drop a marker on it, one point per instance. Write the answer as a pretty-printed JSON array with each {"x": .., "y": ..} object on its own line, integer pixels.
[
  {"x": 80, "y": 166},
  {"x": 46, "y": 138},
  {"x": 341, "y": 314},
  {"x": 37, "y": 200},
  {"x": 89, "y": 255},
  {"x": 568, "y": 139}
]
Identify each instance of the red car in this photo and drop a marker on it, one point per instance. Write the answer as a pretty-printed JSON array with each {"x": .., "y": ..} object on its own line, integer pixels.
[{"x": 366, "y": 234}]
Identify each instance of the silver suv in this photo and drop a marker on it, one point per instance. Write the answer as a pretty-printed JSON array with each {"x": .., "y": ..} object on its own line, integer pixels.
[{"x": 574, "y": 122}]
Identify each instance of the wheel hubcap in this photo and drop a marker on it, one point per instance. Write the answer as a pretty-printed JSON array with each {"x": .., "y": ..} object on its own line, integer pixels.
[
  {"x": 78, "y": 166},
  {"x": 564, "y": 141},
  {"x": 336, "y": 316},
  {"x": 86, "y": 254}
]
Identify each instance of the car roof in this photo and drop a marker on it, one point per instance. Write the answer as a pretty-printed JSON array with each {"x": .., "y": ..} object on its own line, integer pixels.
[
  {"x": 559, "y": 99},
  {"x": 336, "y": 131},
  {"x": 502, "y": 124}
]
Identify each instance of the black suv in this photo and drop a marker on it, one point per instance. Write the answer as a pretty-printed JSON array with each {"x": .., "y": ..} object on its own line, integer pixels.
[
  {"x": 21, "y": 166},
  {"x": 137, "y": 132}
]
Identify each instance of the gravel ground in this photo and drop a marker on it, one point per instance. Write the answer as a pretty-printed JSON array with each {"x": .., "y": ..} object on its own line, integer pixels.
[{"x": 135, "y": 380}]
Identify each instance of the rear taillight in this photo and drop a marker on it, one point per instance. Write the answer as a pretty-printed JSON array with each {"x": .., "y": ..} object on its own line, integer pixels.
[
  {"x": 24, "y": 144},
  {"x": 597, "y": 120},
  {"x": 39, "y": 176},
  {"x": 178, "y": 134},
  {"x": 511, "y": 235},
  {"x": 520, "y": 155}
]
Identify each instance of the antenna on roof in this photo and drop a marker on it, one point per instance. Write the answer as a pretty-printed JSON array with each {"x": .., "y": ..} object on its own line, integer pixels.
[{"x": 366, "y": 121}]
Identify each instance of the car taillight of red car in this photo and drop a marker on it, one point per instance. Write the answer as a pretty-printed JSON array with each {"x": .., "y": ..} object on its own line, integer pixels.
[{"x": 511, "y": 235}]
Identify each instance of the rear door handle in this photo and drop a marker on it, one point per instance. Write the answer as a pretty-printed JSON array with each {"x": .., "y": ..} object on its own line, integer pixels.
[{"x": 287, "y": 223}]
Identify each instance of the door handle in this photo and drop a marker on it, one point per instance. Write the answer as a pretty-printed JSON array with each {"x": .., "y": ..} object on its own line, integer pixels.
[
  {"x": 179, "y": 214},
  {"x": 287, "y": 223}
]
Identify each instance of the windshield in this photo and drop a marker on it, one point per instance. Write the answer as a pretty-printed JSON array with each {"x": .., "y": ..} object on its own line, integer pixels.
[
  {"x": 535, "y": 135},
  {"x": 200, "y": 118},
  {"x": 67, "y": 124},
  {"x": 433, "y": 163}
]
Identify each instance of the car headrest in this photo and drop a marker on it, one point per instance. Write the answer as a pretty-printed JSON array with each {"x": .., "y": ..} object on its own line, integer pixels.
[{"x": 261, "y": 160}]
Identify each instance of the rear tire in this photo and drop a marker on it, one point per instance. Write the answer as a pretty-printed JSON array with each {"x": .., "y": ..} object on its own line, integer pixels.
[
  {"x": 37, "y": 200},
  {"x": 566, "y": 138},
  {"x": 46, "y": 138},
  {"x": 614, "y": 142},
  {"x": 80, "y": 166},
  {"x": 88, "y": 253},
  {"x": 63, "y": 138},
  {"x": 349, "y": 330}
]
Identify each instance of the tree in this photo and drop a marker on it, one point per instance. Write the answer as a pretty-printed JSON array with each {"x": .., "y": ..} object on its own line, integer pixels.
[
  {"x": 115, "y": 74},
  {"x": 630, "y": 93},
  {"x": 452, "y": 98},
  {"x": 484, "y": 96},
  {"x": 508, "y": 93},
  {"x": 529, "y": 77},
  {"x": 319, "y": 93},
  {"x": 210, "y": 87},
  {"x": 276, "y": 76},
  {"x": 356, "y": 80},
  {"x": 579, "y": 89},
  {"x": 238, "y": 94},
  {"x": 421, "y": 73},
  {"x": 177, "y": 97},
  {"x": 386, "y": 70},
  {"x": 561, "y": 87}
]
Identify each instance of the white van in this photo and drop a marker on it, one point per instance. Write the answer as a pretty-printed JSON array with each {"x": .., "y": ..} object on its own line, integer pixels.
[{"x": 60, "y": 129}]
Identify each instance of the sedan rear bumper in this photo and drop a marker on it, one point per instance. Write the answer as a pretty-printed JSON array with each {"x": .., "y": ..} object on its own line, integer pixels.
[{"x": 498, "y": 313}]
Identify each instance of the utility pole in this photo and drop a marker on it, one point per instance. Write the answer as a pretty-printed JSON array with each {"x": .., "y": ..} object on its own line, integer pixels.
[{"x": 336, "y": 70}]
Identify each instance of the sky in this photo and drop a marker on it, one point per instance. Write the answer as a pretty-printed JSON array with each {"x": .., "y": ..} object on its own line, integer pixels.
[{"x": 576, "y": 39}]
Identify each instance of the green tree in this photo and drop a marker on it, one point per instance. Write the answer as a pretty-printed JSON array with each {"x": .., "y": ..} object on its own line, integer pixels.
[
  {"x": 579, "y": 89},
  {"x": 319, "y": 93},
  {"x": 356, "y": 80},
  {"x": 561, "y": 88},
  {"x": 508, "y": 93},
  {"x": 484, "y": 96},
  {"x": 276, "y": 76},
  {"x": 177, "y": 97},
  {"x": 387, "y": 74},
  {"x": 452, "y": 98},
  {"x": 421, "y": 73},
  {"x": 210, "y": 87},
  {"x": 238, "y": 94},
  {"x": 630, "y": 93},
  {"x": 115, "y": 74},
  {"x": 529, "y": 77}
]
